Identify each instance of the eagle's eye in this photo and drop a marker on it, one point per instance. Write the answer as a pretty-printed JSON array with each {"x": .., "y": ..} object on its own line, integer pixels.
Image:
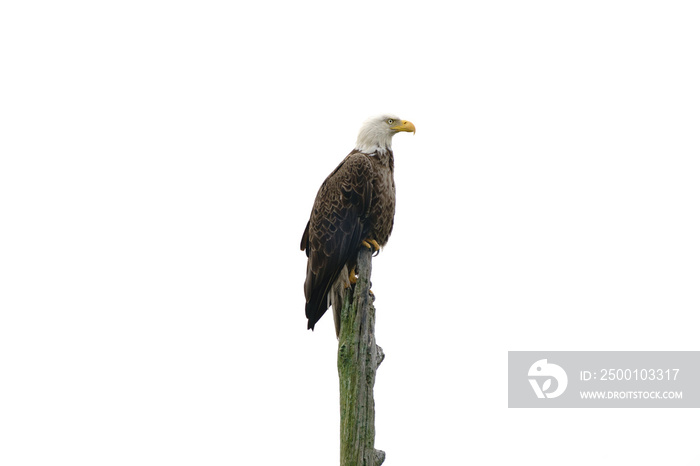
[{"x": 390, "y": 121}]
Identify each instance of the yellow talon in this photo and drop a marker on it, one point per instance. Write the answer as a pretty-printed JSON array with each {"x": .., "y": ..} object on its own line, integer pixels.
[
  {"x": 371, "y": 244},
  {"x": 352, "y": 277}
]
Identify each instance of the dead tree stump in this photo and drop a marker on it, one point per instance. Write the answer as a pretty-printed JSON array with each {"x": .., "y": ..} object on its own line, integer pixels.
[{"x": 358, "y": 359}]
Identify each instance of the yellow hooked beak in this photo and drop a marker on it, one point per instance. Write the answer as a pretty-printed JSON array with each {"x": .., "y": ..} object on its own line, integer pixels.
[{"x": 405, "y": 125}]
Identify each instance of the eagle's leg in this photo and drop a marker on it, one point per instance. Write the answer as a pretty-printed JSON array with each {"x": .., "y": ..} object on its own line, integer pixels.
[{"x": 372, "y": 245}]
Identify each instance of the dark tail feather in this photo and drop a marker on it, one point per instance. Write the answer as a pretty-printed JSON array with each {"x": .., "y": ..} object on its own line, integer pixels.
[
  {"x": 315, "y": 308},
  {"x": 334, "y": 296}
]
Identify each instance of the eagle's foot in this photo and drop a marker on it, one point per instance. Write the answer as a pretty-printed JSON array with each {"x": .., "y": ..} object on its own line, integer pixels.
[
  {"x": 372, "y": 245},
  {"x": 352, "y": 277}
]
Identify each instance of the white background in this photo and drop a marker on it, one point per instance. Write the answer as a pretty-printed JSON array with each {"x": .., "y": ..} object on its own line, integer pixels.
[{"x": 158, "y": 165}]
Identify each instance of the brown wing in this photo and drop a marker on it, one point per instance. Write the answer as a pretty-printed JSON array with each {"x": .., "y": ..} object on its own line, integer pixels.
[{"x": 337, "y": 226}]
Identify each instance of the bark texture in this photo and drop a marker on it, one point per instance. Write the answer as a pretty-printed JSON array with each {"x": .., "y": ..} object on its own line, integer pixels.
[{"x": 358, "y": 359}]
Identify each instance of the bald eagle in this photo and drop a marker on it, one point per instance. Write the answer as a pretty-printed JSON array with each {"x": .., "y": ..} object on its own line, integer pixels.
[{"x": 354, "y": 208}]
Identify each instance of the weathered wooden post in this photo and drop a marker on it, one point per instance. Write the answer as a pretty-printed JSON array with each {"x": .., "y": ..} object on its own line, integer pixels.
[{"x": 358, "y": 359}]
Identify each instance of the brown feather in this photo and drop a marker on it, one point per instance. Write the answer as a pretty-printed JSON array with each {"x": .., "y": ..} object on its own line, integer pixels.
[{"x": 355, "y": 202}]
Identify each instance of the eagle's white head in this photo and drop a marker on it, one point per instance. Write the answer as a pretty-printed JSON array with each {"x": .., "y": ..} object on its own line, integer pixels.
[{"x": 376, "y": 133}]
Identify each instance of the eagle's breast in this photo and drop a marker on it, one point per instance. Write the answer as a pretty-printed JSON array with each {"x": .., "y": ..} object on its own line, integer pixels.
[{"x": 384, "y": 197}]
